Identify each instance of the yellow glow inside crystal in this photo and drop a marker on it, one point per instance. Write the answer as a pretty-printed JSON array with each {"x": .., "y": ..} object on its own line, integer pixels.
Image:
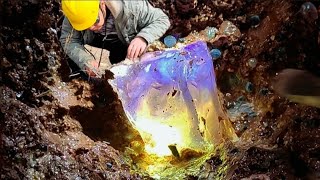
[
  {"x": 173, "y": 101},
  {"x": 158, "y": 136},
  {"x": 159, "y": 133}
]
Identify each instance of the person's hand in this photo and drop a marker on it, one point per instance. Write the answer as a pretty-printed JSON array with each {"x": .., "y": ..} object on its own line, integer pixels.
[
  {"x": 92, "y": 69},
  {"x": 136, "y": 48}
]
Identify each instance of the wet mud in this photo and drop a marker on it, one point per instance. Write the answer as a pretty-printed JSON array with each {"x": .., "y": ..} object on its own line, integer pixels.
[{"x": 53, "y": 126}]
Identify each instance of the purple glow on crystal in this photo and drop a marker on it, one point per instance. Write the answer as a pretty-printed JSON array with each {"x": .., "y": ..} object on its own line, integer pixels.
[{"x": 170, "y": 70}]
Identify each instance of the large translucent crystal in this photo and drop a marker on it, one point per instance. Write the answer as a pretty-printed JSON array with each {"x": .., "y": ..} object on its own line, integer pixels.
[{"x": 170, "y": 97}]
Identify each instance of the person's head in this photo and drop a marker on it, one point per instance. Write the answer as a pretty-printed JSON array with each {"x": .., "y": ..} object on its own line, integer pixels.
[{"x": 85, "y": 14}]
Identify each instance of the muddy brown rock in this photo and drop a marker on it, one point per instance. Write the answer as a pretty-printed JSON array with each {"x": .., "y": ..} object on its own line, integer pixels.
[{"x": 186, "y": 6}]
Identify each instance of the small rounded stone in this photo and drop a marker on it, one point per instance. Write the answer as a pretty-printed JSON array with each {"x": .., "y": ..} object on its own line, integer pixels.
[
  {"x": 215, "y": 53},
  {"x": 109, "y": 165},
  {"x": 309, "y": 11},
  {"x": 170, "y": 41},
  {"x": 249, "y": 87},
  {"x": 211, "y": 32},
  {"x": 254, "y": 20},
  {"x": 252, "y": 62}
]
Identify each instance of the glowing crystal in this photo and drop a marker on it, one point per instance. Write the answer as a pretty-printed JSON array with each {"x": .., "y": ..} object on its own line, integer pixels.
[{"x": 171, "y": 99}]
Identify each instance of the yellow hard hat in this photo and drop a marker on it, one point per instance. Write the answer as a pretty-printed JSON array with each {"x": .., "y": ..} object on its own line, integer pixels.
[{"x": 81, "y": 13}]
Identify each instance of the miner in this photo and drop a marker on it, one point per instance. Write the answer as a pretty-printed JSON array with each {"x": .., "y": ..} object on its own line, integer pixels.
[{"x": 124, "y": 27}]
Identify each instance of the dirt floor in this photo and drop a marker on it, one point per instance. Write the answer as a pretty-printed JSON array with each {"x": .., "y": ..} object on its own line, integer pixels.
[{"x": 53, "y": 126}]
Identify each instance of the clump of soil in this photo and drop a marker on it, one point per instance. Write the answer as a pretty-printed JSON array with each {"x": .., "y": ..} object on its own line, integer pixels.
[{"x": 45, "y": 136}]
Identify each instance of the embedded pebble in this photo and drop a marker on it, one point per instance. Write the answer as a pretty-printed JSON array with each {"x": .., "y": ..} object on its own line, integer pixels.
[
  {"x": 254, "y": 20},
  {"x": 215, "y": 53},
  {"x": 109, "y": 165},
  {"x": 29, "y": 49},
  {"x": 252, "y": 62},
  {"x": 228, "y": 28},
  {"x": 211, "y": 32},
  {"x": 170, "y": 41},
  {"x": 249, "y": 87},
  {"x": 309, "y": 11}
]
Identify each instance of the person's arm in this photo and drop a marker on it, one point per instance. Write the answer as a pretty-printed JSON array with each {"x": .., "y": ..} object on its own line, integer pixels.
[
  {"x": 154, "y": 22},
  {"x": 72, "y": 43}
]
